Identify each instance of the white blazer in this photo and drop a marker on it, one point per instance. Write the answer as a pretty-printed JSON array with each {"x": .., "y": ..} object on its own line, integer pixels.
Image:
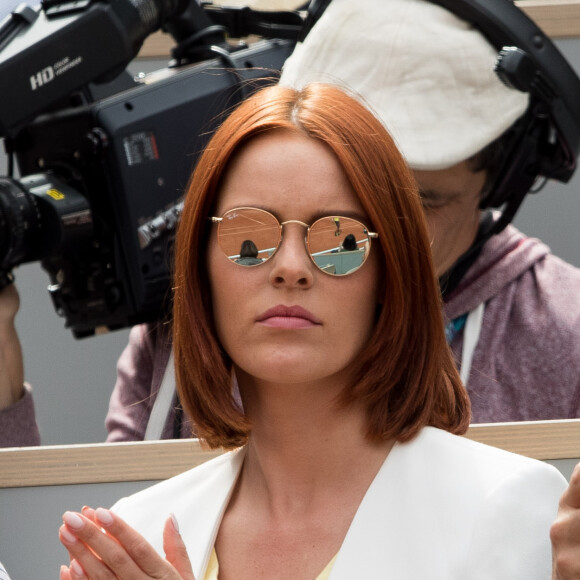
[{"x": 441, "y": 507}]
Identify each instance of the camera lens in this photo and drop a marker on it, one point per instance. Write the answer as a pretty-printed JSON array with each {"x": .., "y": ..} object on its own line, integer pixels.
[
  {"x": 20, "y": 225},
  {"x": 40, "y": 215}
]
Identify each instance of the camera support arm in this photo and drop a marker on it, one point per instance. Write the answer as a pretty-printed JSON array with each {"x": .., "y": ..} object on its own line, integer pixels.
[{"x": 243, "y": 21}]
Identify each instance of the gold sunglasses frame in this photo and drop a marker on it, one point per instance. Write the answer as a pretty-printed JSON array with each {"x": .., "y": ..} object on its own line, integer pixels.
[{"x": 371, "y": 236}]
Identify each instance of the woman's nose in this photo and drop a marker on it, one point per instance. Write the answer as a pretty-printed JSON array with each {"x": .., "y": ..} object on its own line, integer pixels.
[{"x": 291, "y": 265}]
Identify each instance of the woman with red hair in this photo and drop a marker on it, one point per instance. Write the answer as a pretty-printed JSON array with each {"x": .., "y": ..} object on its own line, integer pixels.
[{"x": 344, "y": 457}]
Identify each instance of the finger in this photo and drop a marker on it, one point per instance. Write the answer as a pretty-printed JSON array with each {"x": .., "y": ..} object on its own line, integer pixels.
[
  {"x": 571, "y": 496},
  {"x": 66, "y": 538},
  {"x": 136, "y": 546},
  {"x": 75, "y": 572},
  {"x": 88, "y": 512},
  {"x": 175, "y": 550},
  {"x": 99, "y": 555},
  {"x": 565, "y": 531},
  {"x": 9, "y": 304},
  {"x": 79, "y": 552}
]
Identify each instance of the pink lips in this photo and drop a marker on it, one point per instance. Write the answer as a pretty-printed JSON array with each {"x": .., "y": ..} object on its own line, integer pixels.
[{"x": 291, "y": 317}]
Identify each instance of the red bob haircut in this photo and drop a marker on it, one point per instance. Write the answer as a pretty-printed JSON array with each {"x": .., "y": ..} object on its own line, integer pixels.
[{"x": 405, "y": 375}]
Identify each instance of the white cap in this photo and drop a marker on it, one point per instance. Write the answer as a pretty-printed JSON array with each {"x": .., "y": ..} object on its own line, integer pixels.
[{"x": 426, "y": 73}]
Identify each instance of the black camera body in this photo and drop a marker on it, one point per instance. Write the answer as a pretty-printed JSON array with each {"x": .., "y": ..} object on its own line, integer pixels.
[
  {"x": 104, "y": 168},
  {"x": 128, "y": 157}
]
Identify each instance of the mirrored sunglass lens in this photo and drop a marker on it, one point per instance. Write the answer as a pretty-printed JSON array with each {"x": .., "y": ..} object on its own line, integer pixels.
[
  {"x": 248, "y": 236},
  {"x": 339, "y": 245}
]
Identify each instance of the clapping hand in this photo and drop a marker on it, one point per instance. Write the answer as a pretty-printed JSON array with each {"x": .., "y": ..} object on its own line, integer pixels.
[
  {"x": 103, "y": 547},
  {"x": 565, "y": 533}
]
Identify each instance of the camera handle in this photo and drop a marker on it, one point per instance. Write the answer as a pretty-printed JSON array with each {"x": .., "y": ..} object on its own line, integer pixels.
[{"x": 201, "y": 30}]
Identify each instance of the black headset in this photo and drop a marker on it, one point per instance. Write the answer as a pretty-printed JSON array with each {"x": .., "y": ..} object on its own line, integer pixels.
[{"x": 545, "y": 141}]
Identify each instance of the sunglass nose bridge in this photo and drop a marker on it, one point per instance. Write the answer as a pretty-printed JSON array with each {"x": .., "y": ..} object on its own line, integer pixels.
[
  {"x": 294, "y": 222},
  {"x": 304, "y": 238}
]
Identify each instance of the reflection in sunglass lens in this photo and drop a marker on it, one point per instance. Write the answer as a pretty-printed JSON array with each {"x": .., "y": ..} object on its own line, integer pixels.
[
  {"x": 337, "y": 245},
  {"x": 249, "y": 236}
]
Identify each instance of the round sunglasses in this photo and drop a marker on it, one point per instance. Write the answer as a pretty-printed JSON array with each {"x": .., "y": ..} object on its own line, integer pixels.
[{"x": 337, "y": 245}]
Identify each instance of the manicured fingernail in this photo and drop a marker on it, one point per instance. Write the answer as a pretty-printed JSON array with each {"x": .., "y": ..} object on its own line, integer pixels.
[
  {"x": 73, "y": 520},
  {"x": 104, "y": 516},
  {"x": 77, "y": 569},
  {"x": 70, "y": 538},
  {"x": 175, "y": 522}
]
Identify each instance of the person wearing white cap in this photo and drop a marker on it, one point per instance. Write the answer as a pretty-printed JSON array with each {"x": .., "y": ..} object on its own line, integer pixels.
[{"x": 513, "y": 316}]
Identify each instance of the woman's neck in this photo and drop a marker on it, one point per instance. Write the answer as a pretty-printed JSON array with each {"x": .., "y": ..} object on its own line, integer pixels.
[
  {"x": 304, "y": 444},
  {"x": 307, "y": 468}
]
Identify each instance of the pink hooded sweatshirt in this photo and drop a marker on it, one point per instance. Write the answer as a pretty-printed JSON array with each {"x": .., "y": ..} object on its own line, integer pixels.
[{"x": 526, "y": 365}]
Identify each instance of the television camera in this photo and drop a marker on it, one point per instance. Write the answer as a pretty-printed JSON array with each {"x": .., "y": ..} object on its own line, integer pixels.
[{"x": 104, "y": 158}]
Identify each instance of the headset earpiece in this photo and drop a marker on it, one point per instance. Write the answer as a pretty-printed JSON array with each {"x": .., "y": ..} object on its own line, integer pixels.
[
  {"x": 528, "y": 61},
  {"x": 522, "y": 164}
]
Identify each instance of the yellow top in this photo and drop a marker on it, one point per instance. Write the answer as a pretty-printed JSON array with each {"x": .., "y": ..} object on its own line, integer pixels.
[{"x": 213, "y": 568}]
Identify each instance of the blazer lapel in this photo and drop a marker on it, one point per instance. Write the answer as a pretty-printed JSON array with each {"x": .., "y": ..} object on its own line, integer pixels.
[
  {"x": 363, "y": 553},
  {"x": 200, "y": 513}
]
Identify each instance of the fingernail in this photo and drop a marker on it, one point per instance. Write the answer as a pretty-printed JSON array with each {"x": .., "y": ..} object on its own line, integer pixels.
[
  {"x": 77, "y": 569},
  {"x": 70, "y": 538},
  {"x": 73, "y": 520},
  {"x": 175, "y": 522},
  {"x": 104, "y": 516}
]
